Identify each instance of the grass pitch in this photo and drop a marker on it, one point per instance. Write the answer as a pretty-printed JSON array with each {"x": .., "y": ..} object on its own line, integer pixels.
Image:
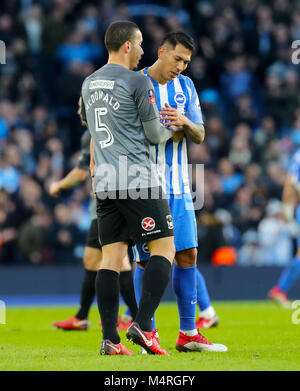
[{"x": 259, "y": 335}]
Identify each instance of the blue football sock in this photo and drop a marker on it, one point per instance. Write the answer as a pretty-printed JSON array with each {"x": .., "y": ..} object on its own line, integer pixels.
[
  {"x": 138, "y": 282},
  {"x": 203, "y": 299},
  {"x": 184, "y": 285},
  {"x": 289, "y": 275}
]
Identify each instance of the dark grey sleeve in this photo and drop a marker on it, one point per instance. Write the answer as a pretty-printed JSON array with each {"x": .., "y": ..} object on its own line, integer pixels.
[
  {"x": 84, "y": 158},
  {"x": 144, "y": 96},
  {"x": 83, "y": 113},
  {"x": 155, "y": 132}
]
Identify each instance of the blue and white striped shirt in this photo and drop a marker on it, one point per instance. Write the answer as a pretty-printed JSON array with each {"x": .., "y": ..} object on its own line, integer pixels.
[{"x": 171, "y": 156}]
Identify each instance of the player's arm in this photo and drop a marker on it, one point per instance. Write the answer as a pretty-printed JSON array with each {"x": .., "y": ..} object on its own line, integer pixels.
[
  {"x": 192, "y": 122},
  {"x": 81, "y": 112},
  {"x": 79, "y": 173},
  {"x": 289, "y": 198},
  {"x": 155, "y": 132},
  {"x": 92, "y": 164},
  {"x": 72, "y": 179},
  {"x": 193, "y": 131},
  {"x": 145, "y": 99}
]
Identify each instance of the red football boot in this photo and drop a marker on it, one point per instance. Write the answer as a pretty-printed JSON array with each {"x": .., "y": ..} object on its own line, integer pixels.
[
  {"x": 124, "y": 322},
  {"x": 72, "y": 324},
  {"x": 197, "y": 343},
  {"x": 109, "y": 348},
  {"x": 121, "y": 324},
  {"x": 204, "y": 323},
  {"x": 280, "y": 297},
  {"x": 147, "y": 340}
]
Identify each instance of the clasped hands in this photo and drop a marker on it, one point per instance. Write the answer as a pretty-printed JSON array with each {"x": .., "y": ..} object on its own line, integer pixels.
[{"x": 175, "y": 119}]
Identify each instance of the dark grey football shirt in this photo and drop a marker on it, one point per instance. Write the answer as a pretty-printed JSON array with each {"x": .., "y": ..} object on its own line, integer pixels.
[
  {"x": 84, "y": 164},
  {"x": 116, "y": 101}
]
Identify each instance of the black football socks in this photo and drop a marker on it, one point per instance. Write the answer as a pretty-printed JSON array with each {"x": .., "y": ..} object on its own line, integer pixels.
[
  {"x": 108, "y": 292},
  {"x": 87, "y": 294},
  {"x": 127, "y": 291},
  {"x": 155, "y": 280}
]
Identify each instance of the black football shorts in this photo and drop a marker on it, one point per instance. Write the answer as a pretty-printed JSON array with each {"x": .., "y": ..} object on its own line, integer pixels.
[
  {"x": 141, "y": 220},
  {"x": 92, "y": 239}
]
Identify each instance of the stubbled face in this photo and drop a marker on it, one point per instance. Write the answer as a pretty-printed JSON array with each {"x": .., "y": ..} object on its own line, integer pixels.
[
  {"x": 136, "y": 50},
  {"x": 174, "y": 60}
]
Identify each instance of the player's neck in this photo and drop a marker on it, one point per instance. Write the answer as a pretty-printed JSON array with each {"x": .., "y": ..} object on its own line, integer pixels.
[
  {"x": 155, "y": 73},
  {"x": 118, "y": 60}
]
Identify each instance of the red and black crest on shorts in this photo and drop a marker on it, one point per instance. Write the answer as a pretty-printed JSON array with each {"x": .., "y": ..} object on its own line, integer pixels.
[
  {"x": 148, "y": 224},
  {"x": 169, "y": 219}
]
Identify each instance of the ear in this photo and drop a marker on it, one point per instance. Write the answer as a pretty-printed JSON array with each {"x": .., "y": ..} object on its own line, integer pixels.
[
  {"x": 127, "y": 46},
  {"x": 161, "y": 51}
]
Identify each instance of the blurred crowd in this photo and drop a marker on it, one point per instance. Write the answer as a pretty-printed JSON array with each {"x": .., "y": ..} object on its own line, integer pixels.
[{"x": 249, "y": 92}]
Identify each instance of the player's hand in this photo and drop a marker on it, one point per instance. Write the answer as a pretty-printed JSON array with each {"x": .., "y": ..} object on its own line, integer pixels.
[
  {"x": 173, "y": 116},
  {"x": 54, "y": 189}
]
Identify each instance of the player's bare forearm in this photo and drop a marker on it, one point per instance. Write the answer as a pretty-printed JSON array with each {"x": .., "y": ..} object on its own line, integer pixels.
[
  {"x": 289, "y": 198},
  {"x": 195, "y": 132},
  {"x": 74, "y": 178},
  {"x": 289, "y": 195}
]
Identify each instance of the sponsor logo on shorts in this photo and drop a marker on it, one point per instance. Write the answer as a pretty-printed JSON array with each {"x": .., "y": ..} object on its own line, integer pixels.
[
  {"x": 180, "y": 98},
  {"x": 157, "y": 231},
  {"x": 169, "y": 219},
  {"x": 148, "y": 224},
  {"x": 95, "y": 84}
]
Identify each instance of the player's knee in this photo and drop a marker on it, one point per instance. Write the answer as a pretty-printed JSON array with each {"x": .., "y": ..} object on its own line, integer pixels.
[
  {"x": 92, "y": 260},
  {"x": 126, "y": 266},
  {"x": 163, "y": 247},
  {"x": 187, "y": 258}
]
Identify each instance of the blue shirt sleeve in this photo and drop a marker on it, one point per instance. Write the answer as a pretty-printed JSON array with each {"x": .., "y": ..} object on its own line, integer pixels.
[
  {"x": 294, "y": 168},
  {"x": 194, "y": 112},
  {"x": 294, "y": 165}
]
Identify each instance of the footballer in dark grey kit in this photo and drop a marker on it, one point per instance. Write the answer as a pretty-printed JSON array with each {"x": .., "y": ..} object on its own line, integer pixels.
[
  {"x": 122, "y": 117},
  {"x": 93, "y": 253}
]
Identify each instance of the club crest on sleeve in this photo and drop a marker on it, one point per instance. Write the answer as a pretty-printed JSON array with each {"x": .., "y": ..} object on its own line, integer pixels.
[
  {"x": 169, "y": 219},
  {"x": 151, "y": 95},
  {"x": 148, "y": 224}
]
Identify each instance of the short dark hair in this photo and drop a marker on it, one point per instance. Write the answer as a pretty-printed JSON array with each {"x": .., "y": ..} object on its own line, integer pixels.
[
  {"x": 118, "y": 33},
  {"x": 176, "y": 37}
]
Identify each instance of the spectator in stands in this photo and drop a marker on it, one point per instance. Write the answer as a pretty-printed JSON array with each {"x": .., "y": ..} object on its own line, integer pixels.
[{"x": 275, "y": 236}]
